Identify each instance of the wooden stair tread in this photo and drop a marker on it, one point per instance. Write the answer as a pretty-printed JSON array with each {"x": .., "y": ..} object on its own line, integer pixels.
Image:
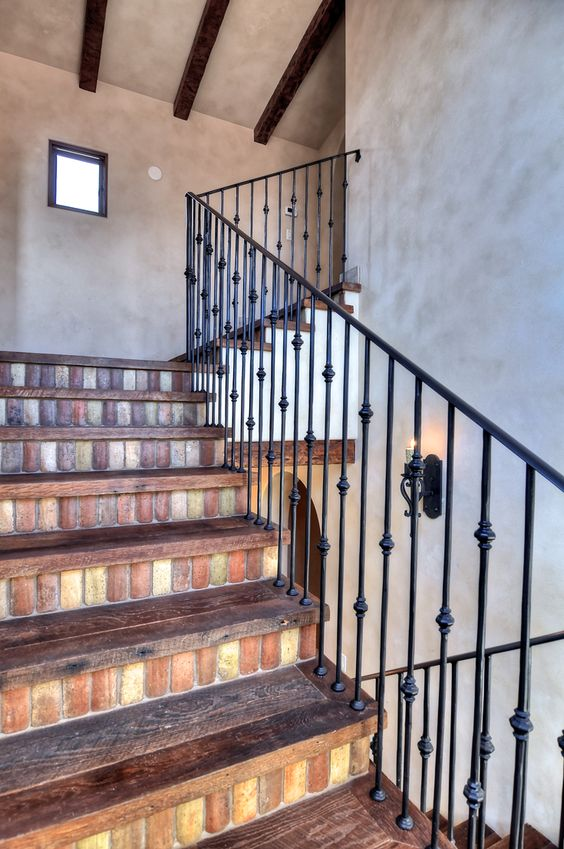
[
  {"x": 460, "y": 836},
  {"x": 95, "y": 362},
  {"x": 532, "y": 839},
  {"x": 69, "y": 432},
  {"x": 338, "y": 819},
  {"x": 101, "y": 394},
  {"x": 80, "y": 776},
  {"x": 40, "y": 648},
  {"x": 27, "y": 553},
  {"x": 61, "y": 484}
]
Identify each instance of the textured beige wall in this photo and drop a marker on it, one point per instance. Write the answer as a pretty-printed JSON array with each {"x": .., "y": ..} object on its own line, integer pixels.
[
  {"x": 74, "y": 283},
  {"x": 456, "y": 222}
]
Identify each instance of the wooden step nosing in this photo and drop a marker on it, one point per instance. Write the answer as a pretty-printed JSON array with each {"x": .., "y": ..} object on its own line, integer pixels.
[
  {"x": 61, "y": 393},
  {"x": 172, "y": 790},
  {"x": 78, "y": 433},
  {"x": 70, "y": 484},
  {"x": 94, "y": 362}
]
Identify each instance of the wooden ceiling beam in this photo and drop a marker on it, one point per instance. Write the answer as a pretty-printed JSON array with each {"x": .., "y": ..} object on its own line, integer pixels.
[
  {"x": 315, "y": 37},
  {"x": 206, "y": 35},
  {"x": 94, "y": 21}
]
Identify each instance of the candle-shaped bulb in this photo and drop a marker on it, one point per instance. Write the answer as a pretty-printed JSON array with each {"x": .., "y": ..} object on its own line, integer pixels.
[{"x": 409, "y": 451}]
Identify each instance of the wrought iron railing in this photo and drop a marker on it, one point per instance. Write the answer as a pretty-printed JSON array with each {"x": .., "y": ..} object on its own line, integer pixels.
[{"x": 272, "y": 350}]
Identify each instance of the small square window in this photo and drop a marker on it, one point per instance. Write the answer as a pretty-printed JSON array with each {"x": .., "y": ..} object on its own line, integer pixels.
[{"x": 78, "y": 178}]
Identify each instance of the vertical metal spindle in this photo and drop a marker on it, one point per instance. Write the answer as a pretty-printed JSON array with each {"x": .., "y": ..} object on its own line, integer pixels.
[
  {"x": 399, "y": 740},
  {"x": 270, "y": 455},
  {"x": 215, "y": 313},
  {"x": 345, "y": 187},
  {"x": 261, "y": 374},
  {"x": 487, "y": 749},
  {"x": 424, "y": 744},
  {"x": 243, "y": 350},
  {"x": 294, "y": 496},
  {"x": 220, "y": 367},
  {"x": 360, "y": 606},
  {"x": 265, "y": 210},
  {"x": 452, "y": 749},
  {"x": 228, "y": 328},
  {"x": 318, "y": 227},
  {"x": 197, "y": 329},
  {"x": 561, "y": 832},
  {"x": 192, "y": 328},
  {"x": 386, "y": 544},
  {"x": 324, "y": 545},
  {"x": 234, "y": 395},
  {"x": 343, "y": 487},
  {"x": 279, "y": 240},
  {"x": 306, "y": 216},
  {"x": 521, "y": 721},
  {"x": 484, "y": 534},
  {"x": 253, "y": 297},
  {"x": 445, "y": 621},
  {"x": 283, "y": 404},
  {"x": 188, "y": 270},
  {"x": 330, "y": 225},
  {"x": 206, "y": 309},
  {"x": 293, "y": 200},
  {"x": 309, "y": 441},
  {"x": 409, "y": 687}
]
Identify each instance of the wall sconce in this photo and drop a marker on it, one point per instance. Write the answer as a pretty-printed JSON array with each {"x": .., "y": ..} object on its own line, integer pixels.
[{"x": 422, "y": 479}]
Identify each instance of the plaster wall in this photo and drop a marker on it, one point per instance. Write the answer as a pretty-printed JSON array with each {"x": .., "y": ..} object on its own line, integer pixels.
[
  {"x": 456, "y": 222},
  {"x": 74, "y": 283}
]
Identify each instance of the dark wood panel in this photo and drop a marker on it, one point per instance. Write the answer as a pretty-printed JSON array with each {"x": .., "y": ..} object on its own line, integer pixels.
[
  {"x": 204, "y": 40},
  {"x": 94, "y": 22},
  {"x": 335, "y": 448},
  {"x": 94, "y": 362},
  {"x": 315, "y": 37},
  {"x": 101, "y": 394},
  {"x": 68, "y": 484},
  {"x": 28, "y": 554}
]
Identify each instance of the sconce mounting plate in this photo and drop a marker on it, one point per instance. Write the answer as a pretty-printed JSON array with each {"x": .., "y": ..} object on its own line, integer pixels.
[{"x": 432, "y": 486}]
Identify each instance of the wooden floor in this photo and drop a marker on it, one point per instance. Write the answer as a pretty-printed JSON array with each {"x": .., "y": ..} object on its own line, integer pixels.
[{"x": 342, "y": 819}]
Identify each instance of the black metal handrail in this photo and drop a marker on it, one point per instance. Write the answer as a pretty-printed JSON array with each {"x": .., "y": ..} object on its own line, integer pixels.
[
  {"x": 356, "y": 153},
  {"x": 537, "y": 463},
  {"x": 241, "y": 298}
]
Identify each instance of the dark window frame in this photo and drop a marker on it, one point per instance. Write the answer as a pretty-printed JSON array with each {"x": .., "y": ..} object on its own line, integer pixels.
[{"x": 82, "y": 154}]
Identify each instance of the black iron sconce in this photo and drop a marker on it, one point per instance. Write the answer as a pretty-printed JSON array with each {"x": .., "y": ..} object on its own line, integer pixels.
[{"x": 422, "y": 480}]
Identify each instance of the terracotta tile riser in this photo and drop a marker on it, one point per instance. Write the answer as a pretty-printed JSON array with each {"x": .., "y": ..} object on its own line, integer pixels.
[
  {"x": 24, "y": 516},
  {"x": 76, "y": 588},
  {"x": 71, "y": 455},
  {"x": 90, "y": 377},
  {"x": 49, "y": 412},
  {"x": 191, "y": 821},
  {"x": 50, "y": 702}
]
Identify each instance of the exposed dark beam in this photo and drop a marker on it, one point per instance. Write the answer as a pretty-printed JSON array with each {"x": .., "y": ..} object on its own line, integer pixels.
[
  {"x": 317, "y": 33},
  {"x": 208, "y": 29},
  {"x": 94, "y": 21}
]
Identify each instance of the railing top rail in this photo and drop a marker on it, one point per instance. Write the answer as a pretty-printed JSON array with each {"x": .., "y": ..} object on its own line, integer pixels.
[
  {"x": 530, "y": 458},
  {"x": 355, "y": 153},
  {"x": 554, "y": 637}
]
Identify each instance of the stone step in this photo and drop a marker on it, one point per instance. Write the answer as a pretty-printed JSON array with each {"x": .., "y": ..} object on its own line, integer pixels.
[
  {"x": 63, "y": 570},
  {"x": 65, "y": 501},
  {"x": 158, "y": 772},
  {"x": 82, "y": 449},
  {"x": 64, "y": 665}
]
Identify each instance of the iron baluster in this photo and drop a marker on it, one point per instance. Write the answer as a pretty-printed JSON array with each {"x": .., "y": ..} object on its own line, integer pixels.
[
  {"x": 253, "y": 298},
  {"x": 345, "y": 187},
  {"x": 309, "y": 441},
  {"x": 220, "y": 367},
  {"x": 386, "y": 544},
  {"x": 279, "y": 242},
  {"x": 318, "y": 227},
  {"x": 243, "y": 350},
  {"x": 261, "y": 374},
  {"x": 399, "y": 722},
  {"x": 425, "y": 745},
  {"x": 197, "y": 330},
  {"x": 188, "y": 271},
  {"x": 487, "y": 749},
  {"x": 283, "y": 404},
  {"x": 409, "y": 688},
  {"x": 294, "y": 496},
  {"x": 234, "y": 395},
  {"x": 266, "y": 210},
  {"x": 452, "y": 748},
  {"x": 330, "y": 225},
  {"x": 561, "y": 832},
  {"x": 270, "y": 455},
  {"x": 228, "y": 328},
  {"x": 520, "y": 721},
  {"x": 215, "y": 312},
  {"x": 484, "y": 534},
  {"x": 445, "y": 621},
  {"x": 206, "y": 309},
  {"x": 293, "y": 201},
  {"x": 360, "y": 606},
  {"x": 306, "y": 216}
]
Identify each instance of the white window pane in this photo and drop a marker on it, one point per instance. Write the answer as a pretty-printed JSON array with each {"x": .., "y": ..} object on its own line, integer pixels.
[{"x": 78, "y": 183}]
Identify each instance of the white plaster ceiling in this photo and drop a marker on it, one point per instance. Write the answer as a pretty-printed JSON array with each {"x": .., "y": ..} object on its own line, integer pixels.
[{"x": 146, "y": 44}]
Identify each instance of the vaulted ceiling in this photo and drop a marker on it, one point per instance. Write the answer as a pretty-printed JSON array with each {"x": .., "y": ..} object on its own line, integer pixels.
[{"x": 246, "y": 51}]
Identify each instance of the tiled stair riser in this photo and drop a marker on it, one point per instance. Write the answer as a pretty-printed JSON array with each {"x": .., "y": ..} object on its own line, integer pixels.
[
  {"x": 91, "y": 377},
  {"x": 27, "y": 515},
  {"x": 190, "y": 821},
  {"x": 59, "y": 699},
  {"x": 76, "y": 588},
  {"x": 72, "y": 455},
  {"x": 68, "y": 412}
]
